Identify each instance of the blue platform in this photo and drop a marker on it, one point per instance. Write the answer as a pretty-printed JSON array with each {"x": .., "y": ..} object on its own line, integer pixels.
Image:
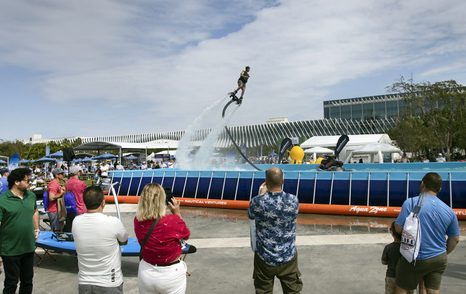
[{"x": 47, "y": 241}]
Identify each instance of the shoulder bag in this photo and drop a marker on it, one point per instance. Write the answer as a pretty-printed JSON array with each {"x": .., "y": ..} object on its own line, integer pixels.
[{"x": 144, "y": 241}]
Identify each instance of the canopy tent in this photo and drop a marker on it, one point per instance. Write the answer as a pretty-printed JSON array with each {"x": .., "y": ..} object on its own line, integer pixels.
[
  {"x": 319, "y": 150},
  {"x": 87, "y": 159},
  {"x": 82, "y": 155},
  {"x": 374, "y": 149},
  {"x": 161, "y": 155},
  {"x": 24, "y": 161},
  {"x": 58, "y": 154},
  {"x": 131, "y": 157},
  {"x": 165, "y": 144},
  {"x": 355, "y": 142},
  {"x": 105, "y": 156},
  {"x": 377, "y": 147},
  {"x": 45, "y": 160}
]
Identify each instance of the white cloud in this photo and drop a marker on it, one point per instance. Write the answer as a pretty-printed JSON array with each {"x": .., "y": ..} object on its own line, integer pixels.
[{"x": 183, "y": 55}]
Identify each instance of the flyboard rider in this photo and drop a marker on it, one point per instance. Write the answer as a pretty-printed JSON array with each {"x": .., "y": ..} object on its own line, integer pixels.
[{"x": 243, "y": 79}]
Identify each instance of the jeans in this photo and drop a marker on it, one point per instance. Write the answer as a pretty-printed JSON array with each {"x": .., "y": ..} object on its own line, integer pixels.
[
  {"x": 18, "y": 268},
  {"x": 55, "y": 224}
]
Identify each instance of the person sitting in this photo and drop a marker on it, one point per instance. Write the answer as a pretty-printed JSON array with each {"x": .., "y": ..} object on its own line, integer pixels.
[
  {"x": 331, "y": 164},
  {"x": 160, "y": 235}
]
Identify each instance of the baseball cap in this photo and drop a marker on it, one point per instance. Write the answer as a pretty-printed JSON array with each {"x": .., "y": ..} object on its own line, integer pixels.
[
  {"x": 57, "y": 171},
  {"x": 74, "y": 170}
]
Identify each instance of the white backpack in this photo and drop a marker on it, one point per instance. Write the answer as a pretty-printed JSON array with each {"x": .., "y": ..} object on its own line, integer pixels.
[{"x": 411, "y": 236}]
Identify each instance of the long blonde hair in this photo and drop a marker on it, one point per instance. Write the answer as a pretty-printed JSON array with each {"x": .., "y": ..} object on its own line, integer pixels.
[{"x": 151, "y": 203}]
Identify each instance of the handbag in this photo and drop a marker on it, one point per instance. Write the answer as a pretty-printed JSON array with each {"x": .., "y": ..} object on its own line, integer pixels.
[
  {"x": 61, "y": 209},
  {"x": 411, "y": 235},
  {"x": 144, "y": 241}
]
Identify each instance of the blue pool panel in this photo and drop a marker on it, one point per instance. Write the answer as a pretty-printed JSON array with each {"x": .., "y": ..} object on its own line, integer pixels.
[{"x": 377, "y": 188}]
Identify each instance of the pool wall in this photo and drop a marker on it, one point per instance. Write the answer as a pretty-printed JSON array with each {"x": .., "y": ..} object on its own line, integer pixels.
[{"x": 367, "y": 189}]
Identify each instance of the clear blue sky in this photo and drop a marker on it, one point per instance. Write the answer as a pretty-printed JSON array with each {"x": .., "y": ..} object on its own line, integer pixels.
[{"x": 87, "y": 68}]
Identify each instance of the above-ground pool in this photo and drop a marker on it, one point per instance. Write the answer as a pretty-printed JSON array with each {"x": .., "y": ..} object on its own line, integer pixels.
[{"x": 364, "y": 189}]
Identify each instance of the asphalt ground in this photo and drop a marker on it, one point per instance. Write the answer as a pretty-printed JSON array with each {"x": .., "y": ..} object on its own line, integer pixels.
[{"x": 337, "y": 254}]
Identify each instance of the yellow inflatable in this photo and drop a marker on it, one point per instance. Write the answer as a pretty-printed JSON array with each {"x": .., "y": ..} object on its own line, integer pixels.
[{"x": 297, "y": 155}]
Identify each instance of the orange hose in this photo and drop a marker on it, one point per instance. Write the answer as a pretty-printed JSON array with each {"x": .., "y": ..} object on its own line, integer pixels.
[{"x": 385, "y": 211}]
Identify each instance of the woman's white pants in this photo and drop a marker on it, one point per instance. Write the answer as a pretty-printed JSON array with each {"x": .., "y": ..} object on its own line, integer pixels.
[{"x": 162, "y": 279}]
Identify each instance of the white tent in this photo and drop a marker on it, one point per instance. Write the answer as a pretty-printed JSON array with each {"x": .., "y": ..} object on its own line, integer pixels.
[
  {"x": 355, "y": 142},
  {"x": 162, "y": 144},
  {"x": 377, "y": 147},
  {"x": 153, "y": 155},
  {"x": 319, "y": 150},
  {"x": 374, "y": 148}
]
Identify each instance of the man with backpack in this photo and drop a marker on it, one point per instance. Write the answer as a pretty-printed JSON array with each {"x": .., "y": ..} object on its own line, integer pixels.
[{"x": 436, "y": 220}]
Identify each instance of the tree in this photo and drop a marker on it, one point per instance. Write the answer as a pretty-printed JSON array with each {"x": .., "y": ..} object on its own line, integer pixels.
[{"x": 434, "y": 117}]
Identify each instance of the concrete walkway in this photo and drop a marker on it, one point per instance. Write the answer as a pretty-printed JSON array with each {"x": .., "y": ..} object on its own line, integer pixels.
[{"x": 334, "y": 257}]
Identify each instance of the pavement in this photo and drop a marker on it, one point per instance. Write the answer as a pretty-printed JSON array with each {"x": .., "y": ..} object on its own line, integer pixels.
[{"x": 337, "y": 254}]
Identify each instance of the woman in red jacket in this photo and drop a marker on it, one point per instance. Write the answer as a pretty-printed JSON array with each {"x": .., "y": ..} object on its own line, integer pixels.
[{"x": 160, "y": 269}]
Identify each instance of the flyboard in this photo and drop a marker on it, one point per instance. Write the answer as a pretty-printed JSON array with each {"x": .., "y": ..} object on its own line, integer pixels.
[
  {"x": 238, "y": 101},
  {"x": 233, "y": 99}
]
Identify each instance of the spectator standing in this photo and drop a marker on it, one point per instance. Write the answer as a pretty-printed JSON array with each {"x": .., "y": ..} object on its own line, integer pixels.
[
  {"x": 98, "y": 238},
  {"x": 104, "y": 168},
  {"x": 440, "y": 158},
  {"x": 275, "y": 215},
  {"x": 19, "y": 228},
  {"x": 160, "y": 269},
  {"x": 56, "y": 191},
  {"x": 4, "y": 172},
  {"x": 390, "y": 256},
  {"x": 437, "y": 220},
  {"x": 77, "y": 187}
]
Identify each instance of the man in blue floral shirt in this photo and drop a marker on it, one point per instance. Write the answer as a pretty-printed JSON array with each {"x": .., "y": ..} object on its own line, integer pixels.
[{"x": 275, "y": 214}]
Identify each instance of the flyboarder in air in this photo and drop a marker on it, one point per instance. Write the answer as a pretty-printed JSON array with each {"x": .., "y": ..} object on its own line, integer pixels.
[{"x": 243, "y": 79}]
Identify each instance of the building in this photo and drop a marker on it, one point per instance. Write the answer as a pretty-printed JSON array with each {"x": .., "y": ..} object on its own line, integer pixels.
[
  {"x": 353, "y": 116},
  {"x": 267, "y": 134},
  {"x": 365, "y": 108}
]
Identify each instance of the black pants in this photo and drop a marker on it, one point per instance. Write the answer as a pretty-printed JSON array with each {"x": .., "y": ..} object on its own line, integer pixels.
[
  {"x": 69, "y": 222},
  {"x": 18, "y": 268}
]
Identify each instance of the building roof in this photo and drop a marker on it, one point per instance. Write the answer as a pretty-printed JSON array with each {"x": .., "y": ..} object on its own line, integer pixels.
[{"x": 156, "y": 144}]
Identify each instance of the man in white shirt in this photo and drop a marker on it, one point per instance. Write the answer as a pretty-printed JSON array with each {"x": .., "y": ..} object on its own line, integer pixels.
[
  {"x": 98, "y": 238},
  {"x": 104, "y": 170}
]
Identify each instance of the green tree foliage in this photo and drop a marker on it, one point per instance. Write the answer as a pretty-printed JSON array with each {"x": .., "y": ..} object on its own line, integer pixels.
[
  {"x": 435, "y": 116},
  {"x": 9, "y": 148},
  {"x": 35, "y": 151}
]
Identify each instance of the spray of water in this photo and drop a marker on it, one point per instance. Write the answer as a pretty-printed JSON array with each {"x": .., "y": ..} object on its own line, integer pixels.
[{"x": 195, "y": 152}]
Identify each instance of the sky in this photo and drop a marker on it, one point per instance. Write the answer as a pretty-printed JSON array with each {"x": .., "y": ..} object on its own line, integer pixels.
[{"x": 114, "y": 67}]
